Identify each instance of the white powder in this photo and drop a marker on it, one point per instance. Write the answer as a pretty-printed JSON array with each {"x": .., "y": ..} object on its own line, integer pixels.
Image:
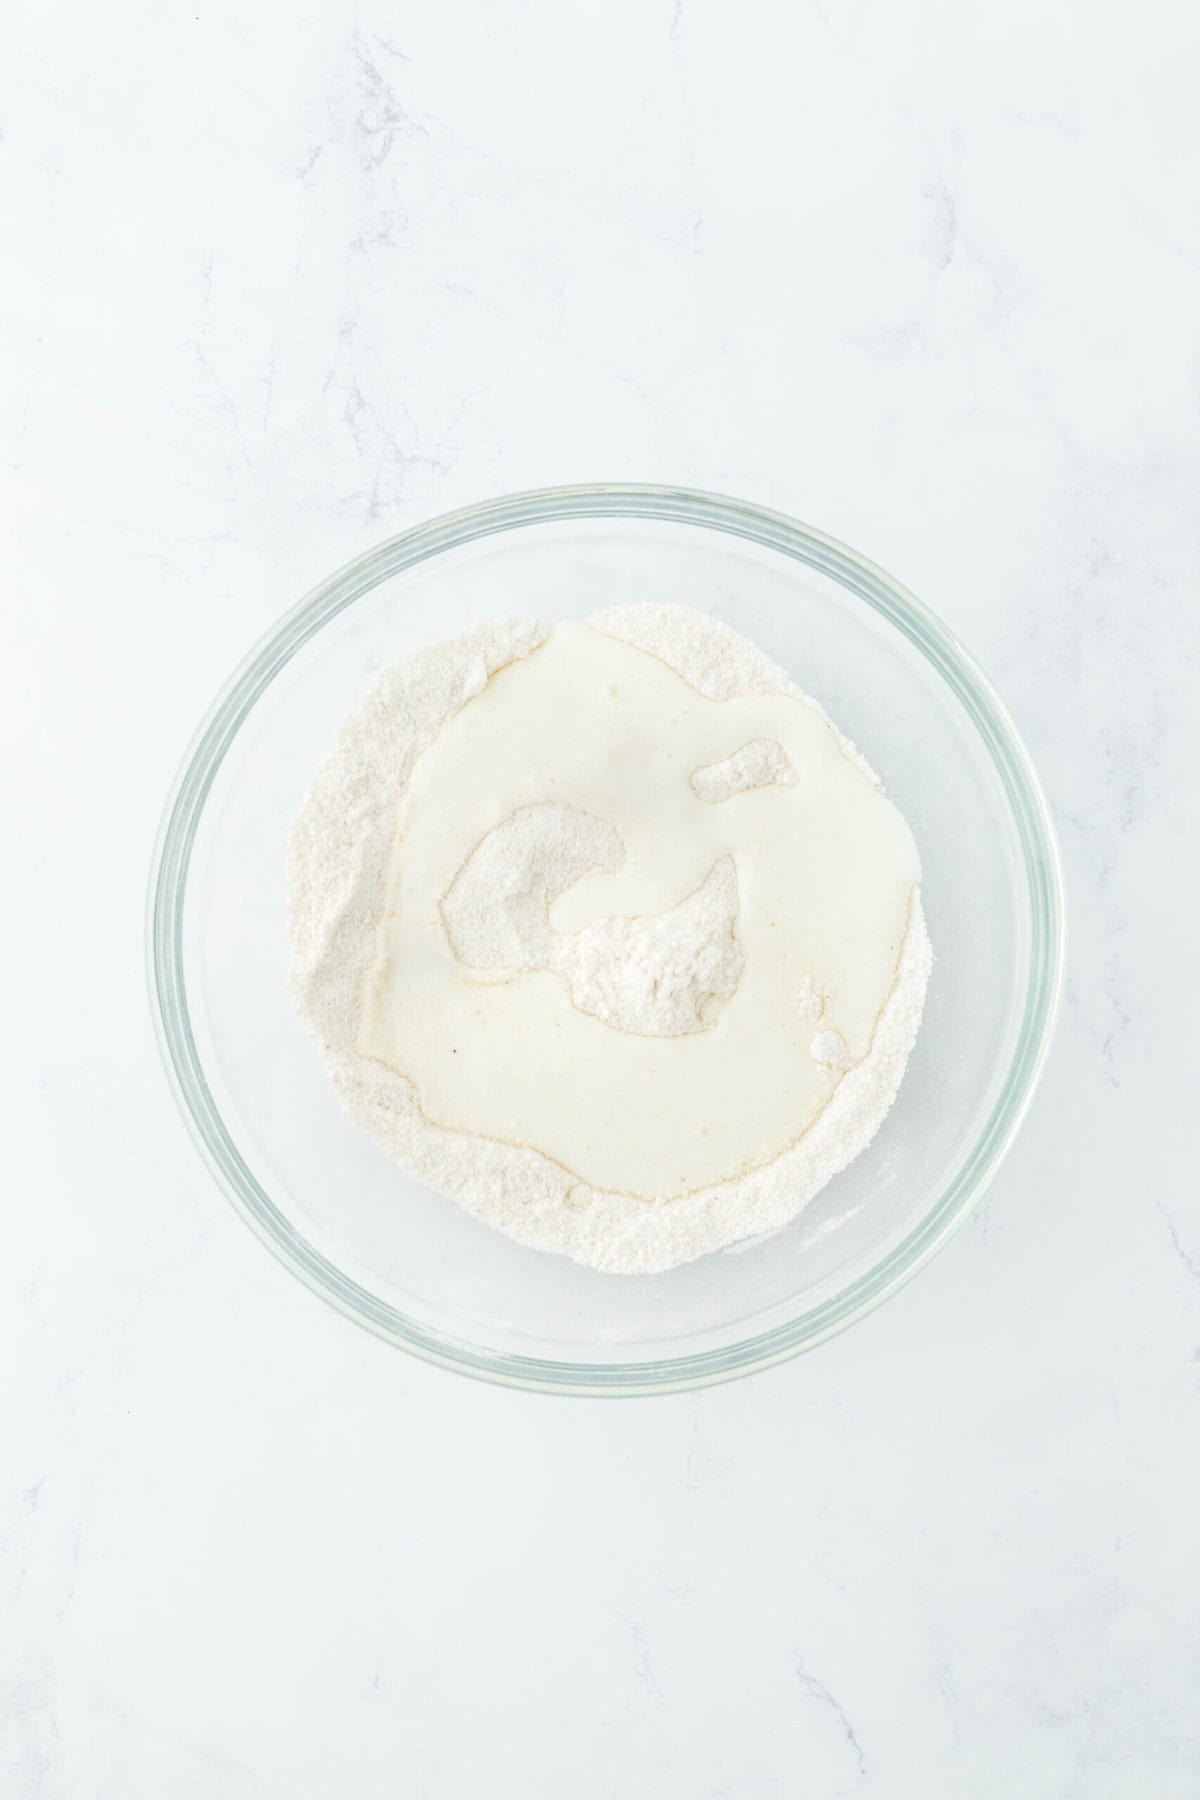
[
  {"x": 658, "y": 976},
  {"x": 662, "y": 976},
  {"x": 761, "y": 763}
]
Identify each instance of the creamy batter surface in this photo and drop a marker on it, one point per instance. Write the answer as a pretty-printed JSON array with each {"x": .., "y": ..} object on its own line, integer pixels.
[
  {"x": 606, "y": 931},
  {"x": 590, "y": 840}
]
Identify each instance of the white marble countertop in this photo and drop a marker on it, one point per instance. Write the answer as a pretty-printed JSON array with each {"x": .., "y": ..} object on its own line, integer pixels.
[{"x": 279, "y": 280}]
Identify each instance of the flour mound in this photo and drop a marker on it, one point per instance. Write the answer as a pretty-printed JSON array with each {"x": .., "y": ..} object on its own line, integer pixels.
[
  {"x": 660, "y": 976},
  {"x": 761, "y": 763},
  {"x": 663, "y": 976},
  {"x": 674, "y": 970},
  {"x": 497, "y": 909}
]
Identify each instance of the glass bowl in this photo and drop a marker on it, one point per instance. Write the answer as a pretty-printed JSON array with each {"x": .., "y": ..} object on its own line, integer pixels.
[{"x": 410, "y": 1264}]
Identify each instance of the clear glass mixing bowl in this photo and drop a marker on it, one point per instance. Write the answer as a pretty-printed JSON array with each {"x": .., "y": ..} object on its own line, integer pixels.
[{"x": 408, "y": 1263}]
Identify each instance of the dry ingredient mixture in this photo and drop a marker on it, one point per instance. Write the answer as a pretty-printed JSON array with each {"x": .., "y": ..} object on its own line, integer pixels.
[{"x": 605, "y": 931}]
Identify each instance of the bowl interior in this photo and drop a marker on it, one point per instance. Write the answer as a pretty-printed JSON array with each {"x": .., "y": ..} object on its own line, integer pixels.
[{"x": 409, "y": 1262}]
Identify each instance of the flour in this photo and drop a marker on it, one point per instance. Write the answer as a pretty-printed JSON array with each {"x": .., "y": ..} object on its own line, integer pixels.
[
  {"x": 664, "y": 975},
  {"x": 760, "y": 763},
  {"x": 657, "y": 976}
]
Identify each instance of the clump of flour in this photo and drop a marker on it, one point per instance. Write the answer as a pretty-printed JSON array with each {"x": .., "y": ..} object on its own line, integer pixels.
[
  {"x": 658, "y": 976},
  {"x": 761, "y": 763},
  {"x": 666, "y": 976}
]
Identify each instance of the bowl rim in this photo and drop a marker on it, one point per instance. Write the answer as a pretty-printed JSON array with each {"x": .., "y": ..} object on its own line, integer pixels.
[{"x": 185, "y": 806}]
